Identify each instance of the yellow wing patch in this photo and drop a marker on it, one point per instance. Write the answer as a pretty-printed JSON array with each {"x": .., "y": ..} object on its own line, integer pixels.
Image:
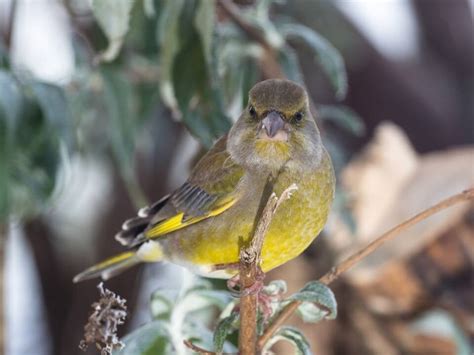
[{"x": 176, "y": 222}]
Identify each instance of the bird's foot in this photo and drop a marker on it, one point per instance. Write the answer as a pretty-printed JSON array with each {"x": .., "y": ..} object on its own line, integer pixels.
[
  {"x": 228, "y": 266},
  {"x": 233, "y": 284},
  {"x": 265, "y": 305}
]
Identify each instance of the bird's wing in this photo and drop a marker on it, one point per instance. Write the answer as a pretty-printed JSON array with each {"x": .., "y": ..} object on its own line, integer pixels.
[{"x": 209, "y": 191}]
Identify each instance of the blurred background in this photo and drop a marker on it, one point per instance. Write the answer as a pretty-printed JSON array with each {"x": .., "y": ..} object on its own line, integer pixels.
[{"x": 105, "y": 106}]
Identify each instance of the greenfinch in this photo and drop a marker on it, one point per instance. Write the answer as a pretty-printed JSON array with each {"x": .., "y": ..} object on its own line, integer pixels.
[{"x": 205, "y": 222}]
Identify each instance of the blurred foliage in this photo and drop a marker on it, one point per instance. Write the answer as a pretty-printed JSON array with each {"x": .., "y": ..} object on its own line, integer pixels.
[
  {"x": 294, "y": 337},
  {"x": 189, "y": 58},
  {"x": 183, "y": 315},
  {"x": 441, "y": 323},
  {"x": 179, "y": 54},
  {"x": 113, "y": 17},
  {"x": 35, "y": 135},
  {"x": 177, "y": 316}
]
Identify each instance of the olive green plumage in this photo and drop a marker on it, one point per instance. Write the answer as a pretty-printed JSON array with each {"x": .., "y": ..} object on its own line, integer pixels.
[{"x": 203, "y": 223}]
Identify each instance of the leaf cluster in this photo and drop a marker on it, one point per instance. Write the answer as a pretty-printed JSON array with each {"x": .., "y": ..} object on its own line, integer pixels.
[
  {"x": 185, "y": 315},
  {"x": 138, "y": 61}
]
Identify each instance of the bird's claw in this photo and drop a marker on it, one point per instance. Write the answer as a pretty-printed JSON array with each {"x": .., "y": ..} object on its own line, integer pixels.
[{"x": 233, "y": 284}]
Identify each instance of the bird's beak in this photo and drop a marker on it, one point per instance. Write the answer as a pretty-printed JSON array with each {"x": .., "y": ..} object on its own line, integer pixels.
[{"x": 273, "y": 123}]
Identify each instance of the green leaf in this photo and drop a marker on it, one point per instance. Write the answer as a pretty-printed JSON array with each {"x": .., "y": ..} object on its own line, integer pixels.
[
  {"x": 328, "y": 57},
  {"x": 151, "y": 339},
  {"x": 225, "y": 327},
  {"x": 318, "y": 302},
  {"x": 119, "y": 98},
  {"x": 35, "y": 161},
  {"x": 238, "y": 70},
  {"x": 259, "y": 17},
  {"x": 344, "y": 117},
  {"x": 204, "y": 23},
  {"x": 196, "y": 86},
  {"x": 149, "y": 8},
  {"x": 249, "y": 78},
  {"x": 162, "y": 303},
  {"x": 54, "y": 105},
  {"x": 117, "y": 101},
  {"x": 185, "y": 312},
  {"x": 291, "y": 335},
  {"x": 33, "y": 121},
  {"x": 170, "y": 43},
  {"x": 275, "y": 288},
  {"x": 262, "y": 8},
  {"x": 201, "y": 299},
  {"x": 4, "y": 60},
  {"x": 201, "y": 336},
  {"x": 289, "y": 62},
  {"x": 197, "y": 283},
  {"x": 201, "y": 295},
  {"x": 113, "y": 17},
  {"x": 11, "y": 101}
]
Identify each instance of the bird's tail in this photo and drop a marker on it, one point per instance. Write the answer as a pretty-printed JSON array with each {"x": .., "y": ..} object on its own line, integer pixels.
[
  {"x": 109, "y": 267},
  {"x": 147, "y": 252}
]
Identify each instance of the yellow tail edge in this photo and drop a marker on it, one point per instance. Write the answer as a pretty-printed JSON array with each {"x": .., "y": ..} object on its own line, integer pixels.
[{"x": 109, "y": 267}]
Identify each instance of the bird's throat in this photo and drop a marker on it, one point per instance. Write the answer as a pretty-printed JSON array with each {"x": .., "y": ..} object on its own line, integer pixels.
[{"x": 272, "y": 153}]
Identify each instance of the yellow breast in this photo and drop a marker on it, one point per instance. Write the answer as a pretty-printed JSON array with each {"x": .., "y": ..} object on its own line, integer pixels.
[
  {"x": 295, "y": 225},
  {"x": 300, "y": 219}
]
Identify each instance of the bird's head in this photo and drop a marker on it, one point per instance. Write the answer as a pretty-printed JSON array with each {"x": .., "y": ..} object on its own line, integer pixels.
[{"x": 275, "y": 129}]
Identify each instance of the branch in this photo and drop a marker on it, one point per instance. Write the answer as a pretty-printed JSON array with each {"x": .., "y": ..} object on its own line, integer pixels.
[
  {"x": 250, "y": 259},
  {"x": 335, "y": 272},
  {"x": 198, "y": 349},
  {"x": 9, "y": 26},
  {"x": 267, "y": 215},
  {"x": 250, "y": 30},
  {"x": 268, "y": 63}
]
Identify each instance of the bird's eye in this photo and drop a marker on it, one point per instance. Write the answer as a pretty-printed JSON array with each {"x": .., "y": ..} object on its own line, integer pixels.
[
  {"x": 298, "y": 116},
  {"x": 252, "y": 111}
]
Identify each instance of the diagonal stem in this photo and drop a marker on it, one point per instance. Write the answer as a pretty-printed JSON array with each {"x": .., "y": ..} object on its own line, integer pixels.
[{"x": 335, "y": 272}]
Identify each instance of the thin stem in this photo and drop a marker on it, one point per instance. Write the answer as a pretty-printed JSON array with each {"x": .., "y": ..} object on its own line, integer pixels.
[
  {"x": 248, "y": 309},
  {"x": 197, "y": 349},
  {"x": 250, "y": 30},
  {"x": 250, "y": 259},
  {"x": 10, "y": 25},
  {"x": 268, "y": 63},
  {"x": 335, "y": 272}
]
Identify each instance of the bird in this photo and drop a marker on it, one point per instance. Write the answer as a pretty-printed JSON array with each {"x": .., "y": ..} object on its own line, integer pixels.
[{"x": 204, "y": 223}]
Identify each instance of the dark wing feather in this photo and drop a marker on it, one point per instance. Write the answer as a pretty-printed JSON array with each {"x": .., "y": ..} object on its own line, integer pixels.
[
  {"x": 192, "y": 200},
  {"x": 212, "y": 181}
]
